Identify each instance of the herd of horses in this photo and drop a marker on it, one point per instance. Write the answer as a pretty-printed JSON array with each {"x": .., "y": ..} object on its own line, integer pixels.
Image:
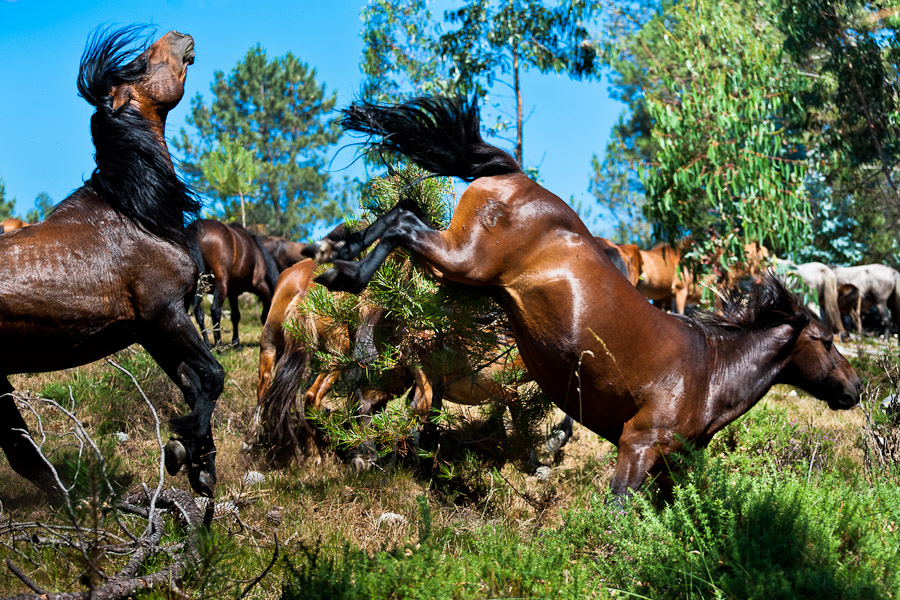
[
  {"x": 852, "y": 291},
  {"x": 114, "y": 264}
]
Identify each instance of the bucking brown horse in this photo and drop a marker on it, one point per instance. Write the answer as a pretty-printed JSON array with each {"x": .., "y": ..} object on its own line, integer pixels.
[{"x": 645, "y": 380}]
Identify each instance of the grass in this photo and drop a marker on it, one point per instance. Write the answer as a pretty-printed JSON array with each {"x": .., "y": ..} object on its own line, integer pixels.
[{"x": 781, "y": 505}]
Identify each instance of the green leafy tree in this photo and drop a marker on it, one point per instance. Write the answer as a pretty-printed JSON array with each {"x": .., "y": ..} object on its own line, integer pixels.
[
  {"x": 705, "y": 149},
  {"x": 850, "y": 51},
  {"x": 277, "y": 111},
  {"x": 43, "y": 204},
  {"x": 475, "y": 46},
  {"x": 6, "y": 206},
  {"x": 726, "y": 170},
  {"x": 231, "y": 171}
]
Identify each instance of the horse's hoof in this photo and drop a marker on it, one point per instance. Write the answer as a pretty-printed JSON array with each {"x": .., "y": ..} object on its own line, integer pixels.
[
  {"x": 556, "y": 441},
  {"x": 327, "y": 278},
  {"x": 337, "y": 281},
  {"x": 360, "y": 464},
  {"x": 204, "y": 483},
  {"x": 175, "y": 456}
]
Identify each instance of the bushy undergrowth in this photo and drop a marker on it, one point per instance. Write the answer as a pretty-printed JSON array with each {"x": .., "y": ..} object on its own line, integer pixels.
[
  {"x": 726, "y": 534},
  {"x": 781, "y": 505}
]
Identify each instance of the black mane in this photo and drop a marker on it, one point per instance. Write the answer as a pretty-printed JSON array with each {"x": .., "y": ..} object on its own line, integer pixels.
[
  {"x": 134, "y": 175},
  {"x": 766, "y": 304}
]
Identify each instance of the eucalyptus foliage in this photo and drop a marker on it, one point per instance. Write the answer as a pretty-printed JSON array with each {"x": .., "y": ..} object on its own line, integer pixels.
[
  {"x": 726, "y": 170},
  {"x": 812, "y": 82},
  {"x": 850, "y": 53}
]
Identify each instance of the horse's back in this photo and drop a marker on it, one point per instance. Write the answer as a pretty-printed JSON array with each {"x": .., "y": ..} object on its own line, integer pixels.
[
  {"x": 875, "y": 281},
  {"x": 658, "y": 274}
]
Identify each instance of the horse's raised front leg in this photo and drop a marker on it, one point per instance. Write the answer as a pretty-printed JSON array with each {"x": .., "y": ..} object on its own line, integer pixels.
[
  {"x": 453, "y": 253},
  {"x": 23, "y": 456},
  {"x": 175, "y": 345},
  {"x": 339, "y": 245}
]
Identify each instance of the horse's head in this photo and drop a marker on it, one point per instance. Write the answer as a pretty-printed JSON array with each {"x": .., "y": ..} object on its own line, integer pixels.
[
  {"x": 113, "y": 77},
  {"x": 816, "y": 366},
  {"x": 165, "y": 65}
]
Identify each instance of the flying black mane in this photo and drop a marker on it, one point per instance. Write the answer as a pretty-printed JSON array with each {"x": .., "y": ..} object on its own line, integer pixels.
[
  {"x": 766, "y": 304},
  {"x": 134, "y": 175}
]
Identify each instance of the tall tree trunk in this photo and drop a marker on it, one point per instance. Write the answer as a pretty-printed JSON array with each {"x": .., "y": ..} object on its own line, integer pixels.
[{"x": 518, "y": 91}]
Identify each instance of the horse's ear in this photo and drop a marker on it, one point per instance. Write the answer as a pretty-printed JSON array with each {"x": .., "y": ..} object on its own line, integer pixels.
[{"x": 121, "y": 95}]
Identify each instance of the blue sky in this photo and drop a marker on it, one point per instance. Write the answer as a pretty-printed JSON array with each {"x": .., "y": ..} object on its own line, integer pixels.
[{"x": 45, "y": 141}]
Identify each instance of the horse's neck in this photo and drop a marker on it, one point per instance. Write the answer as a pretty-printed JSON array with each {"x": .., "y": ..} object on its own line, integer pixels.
[
  {"x": 746, "y": 366},
  {"x": 158, "y": 127}
]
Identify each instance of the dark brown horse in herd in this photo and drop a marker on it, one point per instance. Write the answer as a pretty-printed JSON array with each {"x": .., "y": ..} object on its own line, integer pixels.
[
  {"x": 110, "y": 265},
  {"x": 645, "y": 380},
  {"x": 238, "y": 262}
]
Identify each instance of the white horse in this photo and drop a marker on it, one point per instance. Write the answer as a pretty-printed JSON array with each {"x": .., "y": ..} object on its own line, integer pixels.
[
  {"x": 878, "y": 286},
  {"x": 821, "y": 279}
]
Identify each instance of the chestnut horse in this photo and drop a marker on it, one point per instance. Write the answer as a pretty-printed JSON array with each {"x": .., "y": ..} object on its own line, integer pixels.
[
  {"x": 110, "y": 266},
  {"x": 625, "y": 257},
  {"x": 662, "y": 282},
  {"x": 238, "y": 262},
  {"x": 12, "y": 224},
  {"x": 284, "y": 367},
  {"x": 645, "y": 380}
]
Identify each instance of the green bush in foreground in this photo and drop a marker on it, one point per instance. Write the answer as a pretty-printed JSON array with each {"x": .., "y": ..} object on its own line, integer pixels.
[{"x": 769, "y": 535}]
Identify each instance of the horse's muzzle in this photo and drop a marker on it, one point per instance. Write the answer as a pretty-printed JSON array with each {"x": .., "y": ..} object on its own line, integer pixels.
[{"x": 849, "y": 398}]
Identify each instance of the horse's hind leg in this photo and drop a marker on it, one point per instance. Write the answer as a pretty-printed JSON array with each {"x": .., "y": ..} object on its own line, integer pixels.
[
  {"x": 235, "y": 319},
  {"x": 23, "y": 456},
  {"x": 190, "y": 364}
]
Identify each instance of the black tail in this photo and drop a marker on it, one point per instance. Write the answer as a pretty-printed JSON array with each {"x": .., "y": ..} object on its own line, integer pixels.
[
  {"x": 272, "y": 269},
  {"x": 287, "y": 432},
  {"x": 439, "y": 134}
]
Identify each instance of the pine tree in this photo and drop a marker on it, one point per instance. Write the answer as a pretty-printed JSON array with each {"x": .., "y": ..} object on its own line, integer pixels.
[{"x": 276, "y": 110}]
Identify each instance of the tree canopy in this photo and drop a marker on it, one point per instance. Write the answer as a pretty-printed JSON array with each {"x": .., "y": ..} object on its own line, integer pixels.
[
  {"x": 748, "y": 121},
  {"x": 475, "y": 45},
  {"x": 275, "y": 111}
]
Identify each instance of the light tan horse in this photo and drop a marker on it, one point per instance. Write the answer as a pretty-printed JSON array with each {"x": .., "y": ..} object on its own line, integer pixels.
[{"x": 12, "y": 223}]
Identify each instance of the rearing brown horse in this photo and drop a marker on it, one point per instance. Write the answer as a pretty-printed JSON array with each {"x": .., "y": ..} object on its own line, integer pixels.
[
  {"x": 110, "y": 266},
  {"x": 644, "y": 380}
]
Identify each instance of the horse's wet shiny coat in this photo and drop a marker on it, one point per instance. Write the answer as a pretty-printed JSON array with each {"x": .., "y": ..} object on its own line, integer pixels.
[
  {"x": 109, "y": 266},
  {"x": 645, "y": 380}
]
